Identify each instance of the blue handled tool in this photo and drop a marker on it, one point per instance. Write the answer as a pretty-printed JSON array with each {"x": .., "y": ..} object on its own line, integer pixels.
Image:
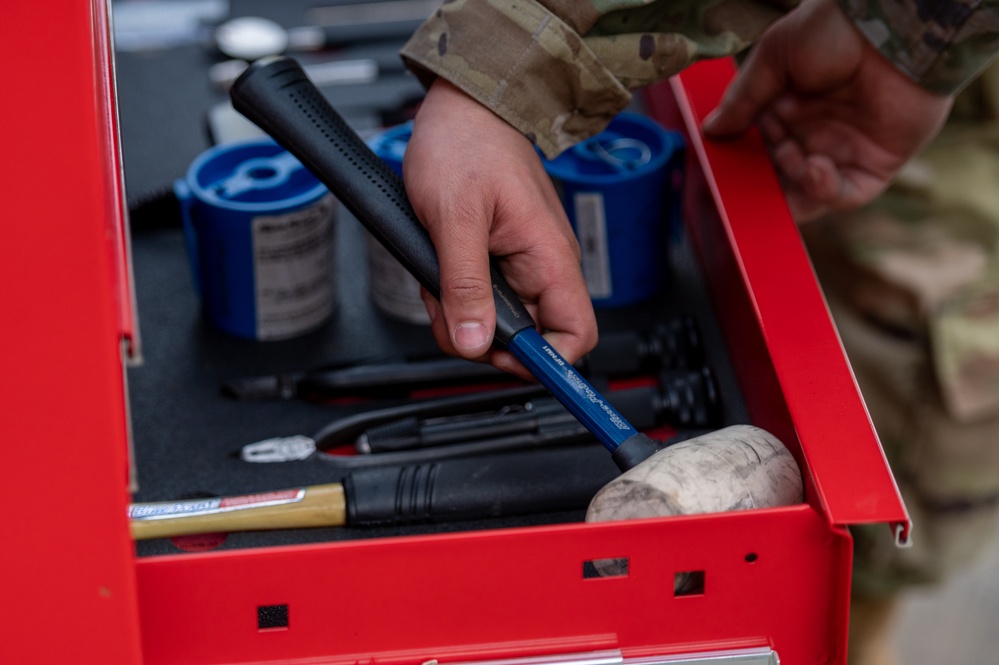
[{"x": 277, "y": 95}]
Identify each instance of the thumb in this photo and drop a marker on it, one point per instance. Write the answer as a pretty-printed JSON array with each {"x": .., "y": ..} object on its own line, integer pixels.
[
  {"x": 756, "y": 85},
  {"x": 466, "y": 287}
]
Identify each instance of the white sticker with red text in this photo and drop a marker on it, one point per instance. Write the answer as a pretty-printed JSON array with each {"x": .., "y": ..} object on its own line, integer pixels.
[{"x": 167, "y": 509}]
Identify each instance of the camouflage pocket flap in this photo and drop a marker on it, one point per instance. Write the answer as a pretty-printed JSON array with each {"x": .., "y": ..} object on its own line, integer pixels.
[{"x": 964, "y": 337}]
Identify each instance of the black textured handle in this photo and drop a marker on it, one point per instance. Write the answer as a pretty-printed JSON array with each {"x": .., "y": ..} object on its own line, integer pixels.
[
  {"x": 279, "y": 98},
  {"x": 399, "y": 378},
  {"x": 511, "y": 484}
]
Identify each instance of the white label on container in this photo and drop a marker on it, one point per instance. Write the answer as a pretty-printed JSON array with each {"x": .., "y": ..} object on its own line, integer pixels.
[
  {"x": 293, "y": 269},
  {"x": 591, "y": 231},
  {"x": 393, "y": 289}
]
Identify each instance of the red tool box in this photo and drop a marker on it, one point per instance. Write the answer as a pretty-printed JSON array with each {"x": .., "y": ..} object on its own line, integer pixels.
[{"x": 777, "y": 581}]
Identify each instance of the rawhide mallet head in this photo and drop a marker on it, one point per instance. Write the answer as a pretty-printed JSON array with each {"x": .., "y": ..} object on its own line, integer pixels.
[{"x": 735, "y": 468}]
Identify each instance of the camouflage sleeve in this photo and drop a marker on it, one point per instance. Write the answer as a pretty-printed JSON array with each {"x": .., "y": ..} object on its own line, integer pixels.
[
  {"x": 941, "y": 44},
  {"x": 559, "y": 70}
]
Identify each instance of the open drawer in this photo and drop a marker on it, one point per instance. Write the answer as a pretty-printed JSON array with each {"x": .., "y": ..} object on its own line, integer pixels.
[{"x": 777, "y": 581}]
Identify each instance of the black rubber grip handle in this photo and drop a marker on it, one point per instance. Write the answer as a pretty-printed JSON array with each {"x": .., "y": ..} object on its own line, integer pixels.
[
  {"x": 618, "y": 354},
  {"x": 643, "y": 407},
  {"x": 279, "y": 98},
  {"x": 399, "y": 378},
  {"x": 506, "y": 485}
]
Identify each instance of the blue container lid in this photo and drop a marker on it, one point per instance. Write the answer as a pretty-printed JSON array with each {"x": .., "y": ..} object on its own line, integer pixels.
[
  {"x": 631, "y": 146},
  {"x": 390, "y": 145},
  {"x": 256, "y": 176}
]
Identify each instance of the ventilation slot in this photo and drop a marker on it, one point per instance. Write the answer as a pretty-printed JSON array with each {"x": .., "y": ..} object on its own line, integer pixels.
[
  {"x": 616, "y": 567},
  {"x": 272, "y": 617}
]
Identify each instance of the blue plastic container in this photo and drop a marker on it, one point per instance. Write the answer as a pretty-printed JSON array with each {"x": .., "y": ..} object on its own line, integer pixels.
[
  {"x": 259, "y": 229},
  {"x": 621, "y": 191},
  {"x": 391, "y": 144}
]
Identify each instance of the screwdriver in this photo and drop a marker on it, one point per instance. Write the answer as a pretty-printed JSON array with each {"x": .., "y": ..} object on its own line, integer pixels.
[{"x": 671, "y": 344}]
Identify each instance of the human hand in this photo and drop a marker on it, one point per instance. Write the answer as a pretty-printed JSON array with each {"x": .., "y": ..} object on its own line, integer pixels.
[
  {"x": 840, "y": 119},
  {"x": 480, "y": 189}
]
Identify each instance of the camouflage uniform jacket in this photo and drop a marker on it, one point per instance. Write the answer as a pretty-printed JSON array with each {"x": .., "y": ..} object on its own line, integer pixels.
[{"x": 559, "y": 70}]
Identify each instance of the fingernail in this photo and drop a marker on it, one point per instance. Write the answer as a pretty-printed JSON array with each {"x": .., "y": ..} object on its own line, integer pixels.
[{"x": 470, "y": 335}]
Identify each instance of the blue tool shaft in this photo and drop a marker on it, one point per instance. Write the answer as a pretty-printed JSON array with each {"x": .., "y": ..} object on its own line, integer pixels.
[{"x": 572, "y": 390}]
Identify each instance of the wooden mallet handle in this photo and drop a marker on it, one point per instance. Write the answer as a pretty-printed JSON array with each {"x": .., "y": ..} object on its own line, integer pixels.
[{"x": 306, "y": 507}]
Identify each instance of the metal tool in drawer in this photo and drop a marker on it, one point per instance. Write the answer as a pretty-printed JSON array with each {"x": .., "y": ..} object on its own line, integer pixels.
[
  {"x": 747, "y": 468},
  {"x": 509, "y": 484},
  {"x": 674, "y": 343},
  {"x": 276, "y": 95},
  {"x": 480, "y": 422}
]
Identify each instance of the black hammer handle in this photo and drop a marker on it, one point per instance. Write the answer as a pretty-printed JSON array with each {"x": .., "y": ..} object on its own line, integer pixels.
[
  {"x": 501, "y": 485},
  {"x": 279, "y": 98},
  {"x": 509, "y": 484}
]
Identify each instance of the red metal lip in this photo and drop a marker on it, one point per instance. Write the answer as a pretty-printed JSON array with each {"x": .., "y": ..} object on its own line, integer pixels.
[{"x": 780, "y": 331}]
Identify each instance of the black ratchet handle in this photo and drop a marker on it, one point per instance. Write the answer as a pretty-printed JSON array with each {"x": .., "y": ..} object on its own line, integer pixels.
[{"x": 279, "y": 98}]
